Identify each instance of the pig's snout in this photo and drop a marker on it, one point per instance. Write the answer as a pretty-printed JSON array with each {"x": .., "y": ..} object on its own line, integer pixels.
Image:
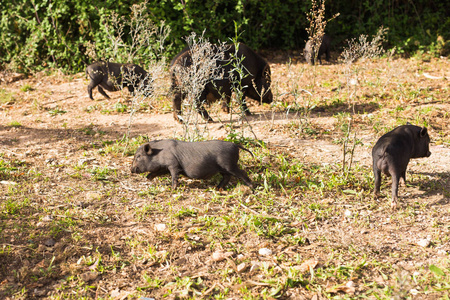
[{"x": 135, "y": 170}]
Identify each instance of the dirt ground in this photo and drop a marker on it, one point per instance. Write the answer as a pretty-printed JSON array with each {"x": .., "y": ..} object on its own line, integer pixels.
[{"x": 68, "y": 231}]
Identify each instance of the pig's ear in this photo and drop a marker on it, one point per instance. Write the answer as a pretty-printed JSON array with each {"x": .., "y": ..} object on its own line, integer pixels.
[
  {"x": 423, "y": 132},
  {"x": 148, "y": 149}
]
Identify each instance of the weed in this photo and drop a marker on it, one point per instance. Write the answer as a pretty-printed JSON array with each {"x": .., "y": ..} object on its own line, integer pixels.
[
  {"x": 56, "y": 111},
  {"x": 15, "y": 124},
  {"x": 6, "y": 97},
  {"x": 26, "y": 87}
]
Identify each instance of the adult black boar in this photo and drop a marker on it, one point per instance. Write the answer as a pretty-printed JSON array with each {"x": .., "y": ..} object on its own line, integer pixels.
[
  {"x": 325, "y": 46},
  {"x": 199, "y": 160},
  {"x": 392, "y": 152},
  {"x": 255, "y": 84},
  {"x": 114, "y": 76}
]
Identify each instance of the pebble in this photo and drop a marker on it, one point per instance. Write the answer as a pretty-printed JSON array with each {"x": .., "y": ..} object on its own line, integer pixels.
[
  {"x": 241, "y": 267},
  {"x": 89, "y": 276},
  {"x": 219, "y": 255},
  {"x": 424, "y": 243},
  {"x": 50, "y": 242},
  {"x": 5, "y": 182},
  {"x": 160, "y": 227},
  {"x": 265, "y": 251},
  {"x": 47, "y": 218}
]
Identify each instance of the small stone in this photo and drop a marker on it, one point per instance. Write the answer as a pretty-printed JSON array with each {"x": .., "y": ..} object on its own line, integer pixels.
[
  {"x": 424, "y": 243},
  {"x": 241, "y": 267},
  {"x": 50, "y": 242},
  {"x": 88, "y": 276},
  {"x": 413, "y": 291},
  {"x": 219, "y": 255},
  {"x": 160, "y": 227},
  {"x": 348, "y": 213},
  {"x": 47, "y": 218},
  {"x": 265, "y": 251},
  {"x": 5, "y": 182}
]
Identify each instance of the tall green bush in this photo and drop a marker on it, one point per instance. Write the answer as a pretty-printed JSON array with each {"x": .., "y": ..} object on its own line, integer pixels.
[{"x": 36, "y": 34}]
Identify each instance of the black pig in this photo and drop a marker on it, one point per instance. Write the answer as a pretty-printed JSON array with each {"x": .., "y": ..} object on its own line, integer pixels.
[
  {"x": 392, "y": 152},
  {"x": 325, "y": 46},
  {"x": 199, "y": 160},
  {"x": 110, "y": 76},
  {"x": 255, "y": 83}
]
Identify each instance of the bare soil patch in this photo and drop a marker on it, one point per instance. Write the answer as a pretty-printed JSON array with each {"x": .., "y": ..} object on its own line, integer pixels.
[{"x": 75, "y": 223}]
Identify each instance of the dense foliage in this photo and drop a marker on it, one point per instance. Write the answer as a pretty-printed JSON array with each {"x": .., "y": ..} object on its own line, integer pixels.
[{"x": 35, "y": 34}]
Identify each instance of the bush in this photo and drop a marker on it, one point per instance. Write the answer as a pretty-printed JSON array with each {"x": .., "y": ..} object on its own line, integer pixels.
[{"x": 43, "y": 33}]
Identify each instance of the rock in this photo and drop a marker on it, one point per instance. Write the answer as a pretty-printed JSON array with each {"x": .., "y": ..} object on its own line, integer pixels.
[
  {"x": 88, "y": 276},
  {"x": 219, "y": 255},
  {"x": 50, "y": 242},
  {"x": 265, "y": 251},
  {"x": 241, "y": 267},
  {"x": 424, "y": 243},
  {"x": 160, "y": 227},
  {"x": 5, "y": 182},
  {"x": 47, "y": 218}
]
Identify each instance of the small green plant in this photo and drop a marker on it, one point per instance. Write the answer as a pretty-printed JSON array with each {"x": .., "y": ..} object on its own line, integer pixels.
[
  {"x": 6, "y": 97},
  {"x": 120, "y": 108},
  {"x": 26, "y": 88},
  {"x": 15, "y": 124},
  {"x": 56, "y": 111}
]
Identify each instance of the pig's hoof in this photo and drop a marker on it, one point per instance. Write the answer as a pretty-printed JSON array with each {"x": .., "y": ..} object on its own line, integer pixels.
[
  {"x": 376, "y": 196},
  {"x": 394, "y": 205}
]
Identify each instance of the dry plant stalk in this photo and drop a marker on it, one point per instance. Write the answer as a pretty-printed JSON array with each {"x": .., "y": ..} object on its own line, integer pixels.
[
  {"x": 192, "y": 80},
  {"x": 361, "y": 49},
  {"x": 317, "y": 24}
]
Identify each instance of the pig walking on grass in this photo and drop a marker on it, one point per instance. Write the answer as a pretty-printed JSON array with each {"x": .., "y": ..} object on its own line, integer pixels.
[
  {"x": 114, "y": 76},
  {"x": 392, "y": 152},
  {"x": 199, "y": 160}
]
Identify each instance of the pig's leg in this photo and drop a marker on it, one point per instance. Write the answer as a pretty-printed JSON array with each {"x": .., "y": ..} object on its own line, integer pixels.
[
  {"x": 226, "y": 102},
  {"x": 225, "y": 179},
  {"x": 403, "y": 175},
  {"x": 176, "y": 104},
  {"x": 131, "y": 89},
  {"x": 200, "y": 108},
  {"x": 242, "y": 175},
  {"x": 377, "y": 175},
  {"x": 91, "y": 86},
  {"x": 395, "y": 180},
  {"x": 174, "y": 172},
  {"x": 100, "y": 89},
  {"x": 327, "y": 53}
]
